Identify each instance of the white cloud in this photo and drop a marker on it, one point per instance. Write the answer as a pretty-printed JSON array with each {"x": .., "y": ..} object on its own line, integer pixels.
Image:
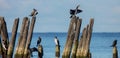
[{"x": 4, "y": 4}]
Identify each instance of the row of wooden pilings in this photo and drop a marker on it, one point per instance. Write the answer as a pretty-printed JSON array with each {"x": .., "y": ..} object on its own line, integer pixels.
[
  {"x": 24, "y": 40},
  {"x": 75, "y": 48},
  {"x": 80, "y": 48}
]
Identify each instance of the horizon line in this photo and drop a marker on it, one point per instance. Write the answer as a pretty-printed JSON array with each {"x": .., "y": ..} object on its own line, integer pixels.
[{"x": 67, "y": 32}]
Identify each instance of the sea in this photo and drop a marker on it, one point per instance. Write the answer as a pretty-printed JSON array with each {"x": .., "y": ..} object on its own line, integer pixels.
[{"x": 99, "y": 45}]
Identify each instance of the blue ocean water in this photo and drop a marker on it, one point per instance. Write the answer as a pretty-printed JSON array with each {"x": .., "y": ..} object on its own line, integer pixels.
[{"x": 99, "y": 47}]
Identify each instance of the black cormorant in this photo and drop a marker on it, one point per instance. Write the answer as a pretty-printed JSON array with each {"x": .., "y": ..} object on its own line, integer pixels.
[
  {"x": 56, "y": 41},
  {"x": 38, "y": 41},
  {"x": 34, "y": 49},
  {"x": 75, "y": 11},
  {"x": 114, "y": 43}
]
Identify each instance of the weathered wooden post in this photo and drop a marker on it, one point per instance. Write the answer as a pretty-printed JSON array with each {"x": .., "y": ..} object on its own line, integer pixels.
[
  {"x": 4, "y": 36},
  {"x": 89, "y": 34},
  {"x": 40, "y": 51},
  {"x": 115, "y": 52},
  {"x": 20, "y": 37},
  {"x": 13, "y": 39},
  {"x": 29, "y": 36},
  {"x": 0, "y": 41},
  {"x": 80, "y": 50},
  {"x": 70, "y": 38},
  {"x": 22, "y": 43},
  {"x": 80, "y": 45},
  {"x": 84, "y": 43},
  {"x": 89, "y": 54},
  {"x": 75, "y": 43},
  {"x": 0, "y": 48},
  {"x": 57, "y": 52}
]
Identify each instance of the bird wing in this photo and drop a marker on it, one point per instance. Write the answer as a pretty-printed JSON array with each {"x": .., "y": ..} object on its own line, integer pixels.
[
  {"x": 34, "y": 9},
  {"x": 36, "y": 13},
  {"x": 72, "y": 11},
  {"x": 78, "y": 11},
  {"x": 34, "y": 49},
  {"x": 58, "y": 42}
]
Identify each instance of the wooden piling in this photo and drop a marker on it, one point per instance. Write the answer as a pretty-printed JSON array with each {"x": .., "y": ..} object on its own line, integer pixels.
[
  {"x": 13, "y": 38},
  {"x": 115, "y": 52},
  {"x": 22, "y": 43},
  {"x": 40, "y": 51},
  {"x": 89, "y": 34},
  {"x": 89, "y": 54},
  {"x": 4, "y": 36},
  {"x": 20, "y": 37},
  {"x": 84, "y": 43},
  {"x": 80, "y": 48},
  {"x": 57, "y": 51},
  {"x": 0, "y": 47},
  {"x": 0, "y": 41},
  {"x": 80, "y": 45},
  {"x": 75, "y": 43},
  {"x": 70, "y": 38},
  {"x": 1, "y": 50},
  {"x": 29, "y": 36}
]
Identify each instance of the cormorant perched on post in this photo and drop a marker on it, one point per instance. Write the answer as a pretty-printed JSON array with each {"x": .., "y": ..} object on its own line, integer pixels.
[
  {"x": 33, "y": 13},
  {"x": 114, "y": 43},
  {"x": 38, "y": 41},
  {"x": 75, "y": 11},
  {"x": 56, "y": 41},
  {"x": 34, "y": 49}
]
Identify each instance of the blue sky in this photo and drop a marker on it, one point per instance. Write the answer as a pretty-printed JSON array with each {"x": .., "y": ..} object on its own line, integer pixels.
[{"x": 54, "y": 14}]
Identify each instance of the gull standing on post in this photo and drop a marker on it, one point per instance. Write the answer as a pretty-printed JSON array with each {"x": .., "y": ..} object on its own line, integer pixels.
[{"x": 33, "y": 13}]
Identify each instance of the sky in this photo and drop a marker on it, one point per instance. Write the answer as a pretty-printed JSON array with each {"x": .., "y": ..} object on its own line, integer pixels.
[{"x": 53, "y": 15}]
